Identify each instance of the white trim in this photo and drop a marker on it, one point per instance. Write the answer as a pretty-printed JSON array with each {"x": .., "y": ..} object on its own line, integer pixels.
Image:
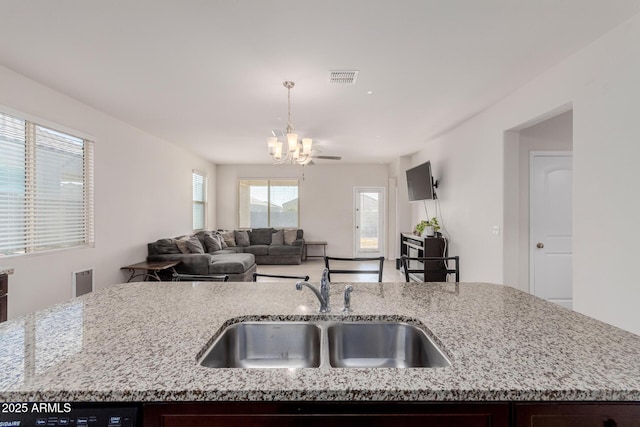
[
  {"x": 392, "y": 236},
  {"x": 383, "y": 222}
]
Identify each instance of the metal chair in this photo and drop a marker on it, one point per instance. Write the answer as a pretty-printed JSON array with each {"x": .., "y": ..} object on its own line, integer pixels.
[
  {"x": 181, "y": 277},
  {"x": 361, "y": 271},
  {"x": 431, "y": 265},
  {"x": 279, "y": 276}
]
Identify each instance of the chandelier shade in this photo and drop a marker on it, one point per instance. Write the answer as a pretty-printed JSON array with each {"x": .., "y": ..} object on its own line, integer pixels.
[{"x": 271, "y": 143}]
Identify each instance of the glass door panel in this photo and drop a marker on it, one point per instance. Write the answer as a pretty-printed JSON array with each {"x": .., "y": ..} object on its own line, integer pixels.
[{"x": 369, "y": 221}]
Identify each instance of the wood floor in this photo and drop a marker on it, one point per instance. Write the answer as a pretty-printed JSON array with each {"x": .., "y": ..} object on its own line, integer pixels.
[{"x": 313, "y": 268}]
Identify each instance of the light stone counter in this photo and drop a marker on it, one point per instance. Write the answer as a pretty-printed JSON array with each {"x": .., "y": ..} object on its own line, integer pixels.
[{"x": 139, "y": 342}]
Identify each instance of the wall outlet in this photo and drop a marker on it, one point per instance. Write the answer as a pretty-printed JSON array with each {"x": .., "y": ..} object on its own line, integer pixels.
[{"x": 495, "y": 230}]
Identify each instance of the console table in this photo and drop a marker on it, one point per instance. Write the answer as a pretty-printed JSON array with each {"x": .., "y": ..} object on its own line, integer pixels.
[
  {"x": 150, "y": 269},
  {"x": 418, "y": 246},
  {"x": 313, "y": 243}
]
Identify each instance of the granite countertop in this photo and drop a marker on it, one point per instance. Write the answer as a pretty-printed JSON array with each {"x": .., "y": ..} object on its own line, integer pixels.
[{"x": 139, "y": 342}]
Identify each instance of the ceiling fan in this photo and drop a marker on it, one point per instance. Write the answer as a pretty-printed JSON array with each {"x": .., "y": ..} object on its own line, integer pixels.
[{"x": 309, "y": 160}]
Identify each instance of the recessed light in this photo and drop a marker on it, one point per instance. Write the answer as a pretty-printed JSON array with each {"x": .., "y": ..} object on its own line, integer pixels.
[{"x": 369, "y": 92}]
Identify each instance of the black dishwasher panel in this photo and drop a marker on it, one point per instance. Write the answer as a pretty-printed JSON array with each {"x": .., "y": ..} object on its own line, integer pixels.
[{"x": 31, "y": 414}]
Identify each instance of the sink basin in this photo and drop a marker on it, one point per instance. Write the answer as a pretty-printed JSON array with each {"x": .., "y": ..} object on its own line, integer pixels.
[
  {"x": 323, "y": 344},
  {"x": 266, "y": 345},
  {"x": 382, "y": 345}
]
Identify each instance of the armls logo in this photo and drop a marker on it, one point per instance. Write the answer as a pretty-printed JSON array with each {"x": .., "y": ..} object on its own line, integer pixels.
[
  {"x": 51, "y": 408},
  {"x": 34, "y": 408}
]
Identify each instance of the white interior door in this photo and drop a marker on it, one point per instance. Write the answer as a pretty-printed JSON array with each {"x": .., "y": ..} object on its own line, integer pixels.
[
  {"x": 551, "y": 227},
  {"x": 369, "y": 222}
]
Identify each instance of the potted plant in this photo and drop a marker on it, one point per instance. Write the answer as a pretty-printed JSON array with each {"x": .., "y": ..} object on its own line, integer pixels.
[
  {"x": 433, "y": 222},
  {"x": 428, "y": 228},
  {"x": 419, "y": 229}
]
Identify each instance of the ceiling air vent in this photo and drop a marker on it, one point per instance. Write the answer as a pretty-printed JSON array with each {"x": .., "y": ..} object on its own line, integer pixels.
[{"x": 343, "y": 77}]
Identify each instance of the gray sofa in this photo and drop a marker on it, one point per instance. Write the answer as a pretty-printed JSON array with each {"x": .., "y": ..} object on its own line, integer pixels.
[
  {"x": 268, "y": 245},
  {"x": 234, "y": 253}
]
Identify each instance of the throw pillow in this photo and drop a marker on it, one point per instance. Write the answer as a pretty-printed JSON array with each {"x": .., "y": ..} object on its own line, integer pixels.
[
  {"x": 194, "y": 245},
  {"x": 260, "y": 236},
  {"x": 229, "y": 238},
  {"x": 166, "y": 246},
  {"x": 181, "y": 243},
  {"x": 218, "y": 235},
  {"x": 277, "y": 238},
  {"x": 242, "y": 237},
  {"x": 290, "y": 236},
  {"x": 212, "y": 242}
]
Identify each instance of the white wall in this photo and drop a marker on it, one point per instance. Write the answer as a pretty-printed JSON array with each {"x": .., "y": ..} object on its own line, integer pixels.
[
  {"x": 402, "y": 209},
  {"x": 470, "y": 193},
  {"x": 601, "y": 83},
  {"x": 142, "y": 193},
  {"x": 326, "y": 197}
]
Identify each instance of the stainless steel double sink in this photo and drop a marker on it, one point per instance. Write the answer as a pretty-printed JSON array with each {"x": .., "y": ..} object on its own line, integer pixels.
[{"x": 323, "y": 344}]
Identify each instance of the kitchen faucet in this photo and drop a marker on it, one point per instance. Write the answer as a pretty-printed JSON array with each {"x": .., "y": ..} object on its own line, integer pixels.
[{"x": 323, "y": 295}]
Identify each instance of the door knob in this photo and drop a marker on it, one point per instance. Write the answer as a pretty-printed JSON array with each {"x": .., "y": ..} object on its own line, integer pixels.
[{"x": 540, "y": 245}]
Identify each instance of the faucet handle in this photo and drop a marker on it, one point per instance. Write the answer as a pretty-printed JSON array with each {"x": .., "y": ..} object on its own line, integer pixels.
[{"x": 347, "y": 299}]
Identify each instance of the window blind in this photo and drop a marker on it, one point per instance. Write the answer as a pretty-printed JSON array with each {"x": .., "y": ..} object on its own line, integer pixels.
[
  {"x": 46, "y": 188},
  {"x": 199, "y": 181}
]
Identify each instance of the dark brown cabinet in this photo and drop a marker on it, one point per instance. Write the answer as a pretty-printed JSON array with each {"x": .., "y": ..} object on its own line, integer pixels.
[
  {"x": 323, "y": 414},
  {"x": 577, "y": 415},
  {"x": 416, "y": 246},
  {"x": 432, "y": 414},
  {"x": 4, "y": 290}
]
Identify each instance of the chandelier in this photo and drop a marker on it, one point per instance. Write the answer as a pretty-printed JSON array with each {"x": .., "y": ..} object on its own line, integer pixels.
[{"x": 296, "y": 152}]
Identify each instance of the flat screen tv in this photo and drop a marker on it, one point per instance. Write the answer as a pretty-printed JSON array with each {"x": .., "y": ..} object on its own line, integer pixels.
[{"x": 420, "y": 183}]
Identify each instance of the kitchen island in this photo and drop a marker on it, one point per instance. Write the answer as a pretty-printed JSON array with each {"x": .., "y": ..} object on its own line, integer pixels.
[{"x": 139, "y": 342}]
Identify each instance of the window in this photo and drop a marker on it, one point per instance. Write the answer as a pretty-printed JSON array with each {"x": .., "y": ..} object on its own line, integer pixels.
[
  {"x": 268, "y": 203},
  {"x": 46, "y": 188},
  {"x": 199, "y": 200}
]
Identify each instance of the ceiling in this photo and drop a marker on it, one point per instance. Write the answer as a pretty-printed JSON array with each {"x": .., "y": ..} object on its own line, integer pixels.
[{"x": 208, "y": 74}]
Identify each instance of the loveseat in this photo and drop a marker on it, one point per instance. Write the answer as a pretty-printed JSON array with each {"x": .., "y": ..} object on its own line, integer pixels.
[{"x": 234, "y": 252}]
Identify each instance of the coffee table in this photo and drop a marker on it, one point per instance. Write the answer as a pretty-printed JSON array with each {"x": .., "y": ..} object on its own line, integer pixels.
[{"x": 150, "y": 269}]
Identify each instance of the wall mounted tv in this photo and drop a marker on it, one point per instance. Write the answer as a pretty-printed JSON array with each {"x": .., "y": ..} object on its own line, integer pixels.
[{"x": 420, "y": 183}]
